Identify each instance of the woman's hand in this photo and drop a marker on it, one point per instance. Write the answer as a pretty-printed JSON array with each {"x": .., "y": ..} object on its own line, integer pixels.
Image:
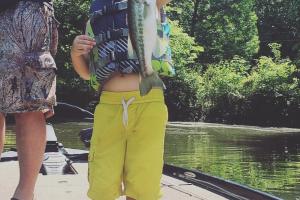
[
  {"x": 82, "y": 45},
  {"x": 161, "y": 3}
]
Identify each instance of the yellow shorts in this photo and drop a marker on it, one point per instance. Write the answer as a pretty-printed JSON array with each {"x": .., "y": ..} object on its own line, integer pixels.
[{"x": 127, "y": 146}]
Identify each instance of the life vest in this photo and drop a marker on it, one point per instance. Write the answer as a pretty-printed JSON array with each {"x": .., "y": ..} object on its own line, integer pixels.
[
  {"x": 6, "y": 4},
  {"x": 114, "y": 52}
]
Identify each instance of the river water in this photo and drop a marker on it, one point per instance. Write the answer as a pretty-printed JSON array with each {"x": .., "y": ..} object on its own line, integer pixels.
[{"x": 267, "y": 159}]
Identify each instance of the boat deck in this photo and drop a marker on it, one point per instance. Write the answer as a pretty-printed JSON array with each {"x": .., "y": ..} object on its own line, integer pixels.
[{"x": 74, "y": 187}]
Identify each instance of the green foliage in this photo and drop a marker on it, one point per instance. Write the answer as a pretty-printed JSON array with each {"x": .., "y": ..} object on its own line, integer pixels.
[
  {"x": 182, "y": 96},
  {"x": 182, "y": 11},
  {"x": 232, "y": 88},
  {"x": 225, "y": 28},
  {"x": 184, "y": 48},
  {"x": 272, "y": 77},
  {"x": 72, "y": 15},
  {"x": 279, "y": 21},
  {"x": 275, "y": 49},
  {"x": 268, "y": 94},
  {"x": 182, "y": 90},
  {"x": 222, "y": 89},
  {"x": 273, "y": 91},
  {"x": 235, "y": 91}
]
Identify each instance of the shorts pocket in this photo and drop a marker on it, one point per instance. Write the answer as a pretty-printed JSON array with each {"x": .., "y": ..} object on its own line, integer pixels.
[{"x": 39, "y": 60}]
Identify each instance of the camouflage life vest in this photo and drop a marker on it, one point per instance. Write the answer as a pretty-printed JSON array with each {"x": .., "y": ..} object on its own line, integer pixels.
[
  {"x": 113, "y": 52},
  {"x": 6, "y": 4}
]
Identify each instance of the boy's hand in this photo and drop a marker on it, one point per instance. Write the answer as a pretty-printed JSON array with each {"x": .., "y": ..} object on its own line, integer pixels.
[{"x": 82, "y": 45}]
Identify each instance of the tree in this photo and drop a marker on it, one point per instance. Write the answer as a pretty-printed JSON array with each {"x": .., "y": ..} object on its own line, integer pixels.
[
  {"x": 72, "y": 15},
  {"x": 225, "y": 28},
  {"x": 279, "y": 21},
  {"x": 183, "y": 89}
]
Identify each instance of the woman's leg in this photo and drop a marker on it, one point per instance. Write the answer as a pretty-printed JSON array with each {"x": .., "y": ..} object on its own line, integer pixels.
[
  {"x": 2, "y": 133},
  {"x": 31, "y": 141}
]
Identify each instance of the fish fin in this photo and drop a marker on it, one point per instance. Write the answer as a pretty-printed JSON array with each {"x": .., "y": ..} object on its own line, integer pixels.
[
  {"x": 146, "y": 12},
  {"x": 147, "y": 83}
]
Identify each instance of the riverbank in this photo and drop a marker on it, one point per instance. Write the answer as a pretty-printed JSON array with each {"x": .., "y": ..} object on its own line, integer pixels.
[{"x": 233, "y": 126}]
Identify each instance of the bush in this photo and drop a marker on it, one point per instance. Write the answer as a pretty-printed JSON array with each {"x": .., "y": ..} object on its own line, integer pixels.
[
  {"x": 222, "y": 87},
  {"x": 272, "y": 92},
  {"x": 267, "y": 94},
  {"x": 182, "y": 96}
]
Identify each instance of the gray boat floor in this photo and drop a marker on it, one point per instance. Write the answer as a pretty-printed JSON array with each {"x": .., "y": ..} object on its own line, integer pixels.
[{"x": 74, "y": 187}]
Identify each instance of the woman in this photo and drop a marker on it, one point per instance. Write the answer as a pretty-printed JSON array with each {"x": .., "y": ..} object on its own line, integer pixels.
[{"x": 28, "y": 38}]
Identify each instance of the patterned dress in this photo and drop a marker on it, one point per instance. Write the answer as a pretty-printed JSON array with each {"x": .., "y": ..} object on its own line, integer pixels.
[{"x": 28, "y": 40}]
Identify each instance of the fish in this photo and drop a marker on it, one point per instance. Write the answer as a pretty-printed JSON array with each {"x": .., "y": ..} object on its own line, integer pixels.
[{"x": 142, "y": 24}]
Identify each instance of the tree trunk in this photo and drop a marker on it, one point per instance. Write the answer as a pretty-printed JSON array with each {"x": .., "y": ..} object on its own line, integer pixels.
[{"x": 194, "y": 17}]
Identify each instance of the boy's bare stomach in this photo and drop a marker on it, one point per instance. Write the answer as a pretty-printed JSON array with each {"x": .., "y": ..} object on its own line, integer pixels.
[{"x": 122, "y": 83}]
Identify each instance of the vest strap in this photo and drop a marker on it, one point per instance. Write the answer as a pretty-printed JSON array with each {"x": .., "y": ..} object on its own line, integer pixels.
[
  {"x": 111, "y": 35},
  {"x": 113, "y": 56},
  {"x": 115, "y": 7}
]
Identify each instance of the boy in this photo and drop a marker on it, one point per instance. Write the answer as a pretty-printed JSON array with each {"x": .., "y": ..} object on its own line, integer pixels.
[{"x": 128, "y": 135}]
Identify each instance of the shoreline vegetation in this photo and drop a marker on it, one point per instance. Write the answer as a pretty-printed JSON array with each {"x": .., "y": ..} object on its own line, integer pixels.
[
  {"x": 236, "y": 62},
  {"x": 233, "y": 126}
]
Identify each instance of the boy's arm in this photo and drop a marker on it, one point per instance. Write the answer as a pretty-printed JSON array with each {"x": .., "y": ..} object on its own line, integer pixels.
[
  {"x": 80, "y": 49},
  {"x": 161, "y": 3},
  {"x": 80, "y": 64}
]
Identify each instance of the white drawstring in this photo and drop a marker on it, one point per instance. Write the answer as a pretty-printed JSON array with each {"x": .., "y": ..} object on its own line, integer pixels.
[{"x": 125, "y": 109}]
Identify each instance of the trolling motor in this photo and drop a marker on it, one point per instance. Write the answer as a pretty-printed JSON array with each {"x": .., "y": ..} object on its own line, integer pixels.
[
  {"x": 55, "y": 161},
  {"x": 56, "y": 157}
]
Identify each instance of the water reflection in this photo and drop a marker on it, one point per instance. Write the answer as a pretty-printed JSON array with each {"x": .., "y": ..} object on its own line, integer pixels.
[{"x": 268, "y": 160}]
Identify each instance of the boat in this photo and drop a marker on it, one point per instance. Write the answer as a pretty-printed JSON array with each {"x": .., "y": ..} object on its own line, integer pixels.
[
  {"x": 225, "y": 188},
  {"x": 176, "y": 181}
]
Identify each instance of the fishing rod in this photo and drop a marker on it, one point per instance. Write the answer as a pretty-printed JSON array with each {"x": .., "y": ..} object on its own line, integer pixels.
[{"x": 76, "y": 108}]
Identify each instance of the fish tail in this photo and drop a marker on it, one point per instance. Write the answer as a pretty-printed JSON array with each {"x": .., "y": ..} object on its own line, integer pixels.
[{"x": 148, "y": 82}]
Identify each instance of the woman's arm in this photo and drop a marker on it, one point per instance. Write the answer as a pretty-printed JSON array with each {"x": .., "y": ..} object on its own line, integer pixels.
[
  {"x": 81, "y": 47},
  {"x": 161, "y": 3}
]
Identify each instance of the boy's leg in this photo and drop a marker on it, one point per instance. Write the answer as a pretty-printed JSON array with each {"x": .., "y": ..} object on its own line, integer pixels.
[
  {"x": 106, "y": 157},
  {"x": 144, "y": 154},
  {"x": 2, "y": 133},
  {"x": 31, "y": 141}
]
